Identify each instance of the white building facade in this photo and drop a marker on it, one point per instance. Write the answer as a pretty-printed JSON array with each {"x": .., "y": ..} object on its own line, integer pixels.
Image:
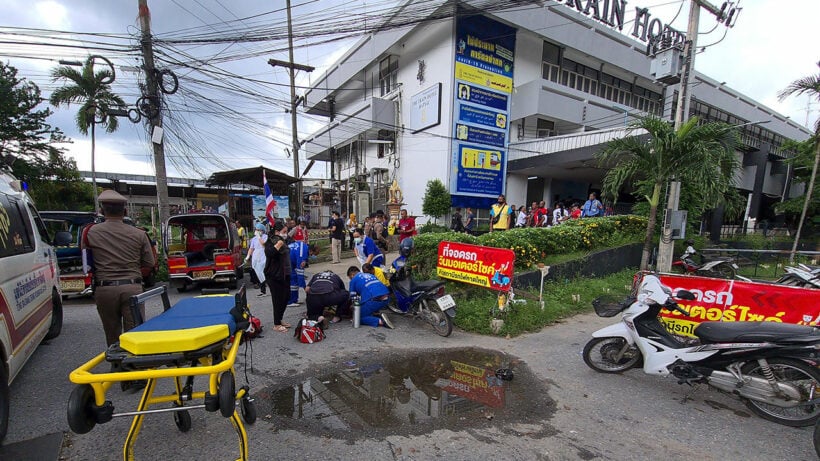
[{"x": 514, "y": 102}]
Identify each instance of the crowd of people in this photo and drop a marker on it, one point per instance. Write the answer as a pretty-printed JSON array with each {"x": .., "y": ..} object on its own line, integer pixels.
[
  {"x": 504, "y": 216},
  {"x": 279, "y": 254}
]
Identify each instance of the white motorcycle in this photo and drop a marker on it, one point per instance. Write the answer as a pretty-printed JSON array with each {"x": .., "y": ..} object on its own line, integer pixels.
[{"x": 770, "y": 366}]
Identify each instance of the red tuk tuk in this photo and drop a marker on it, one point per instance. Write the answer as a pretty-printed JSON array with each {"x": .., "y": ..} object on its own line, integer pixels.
[{"x": 202, "y": 247}]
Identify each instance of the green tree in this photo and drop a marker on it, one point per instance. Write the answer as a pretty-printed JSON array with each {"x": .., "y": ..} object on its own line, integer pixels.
[
  {"x": 800, "y": 168},
  {"x": 700, "y": 156},
  {"x": 436, "y": 200},
  {"x": 809, "y": 86},
  {"x": 29, "y": 146},
  {"x": 90, "y": 90}
]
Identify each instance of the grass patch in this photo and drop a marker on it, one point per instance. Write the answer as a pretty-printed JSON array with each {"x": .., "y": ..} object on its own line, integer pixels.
[{"x": 475, "y": 304}]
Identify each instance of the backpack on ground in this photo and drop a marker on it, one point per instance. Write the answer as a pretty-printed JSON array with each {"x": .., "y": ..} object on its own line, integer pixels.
[{"x": 309, "y": 331}]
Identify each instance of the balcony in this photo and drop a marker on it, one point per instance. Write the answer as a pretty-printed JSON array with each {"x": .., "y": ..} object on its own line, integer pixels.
[{"x": 368, "y": 116}]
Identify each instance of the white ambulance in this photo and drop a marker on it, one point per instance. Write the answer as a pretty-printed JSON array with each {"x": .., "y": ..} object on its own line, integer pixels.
[{"x": 31, "y": 307}]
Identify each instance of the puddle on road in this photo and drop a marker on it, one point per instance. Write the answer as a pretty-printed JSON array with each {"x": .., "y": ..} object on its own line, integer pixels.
[{"x": 410, "y": 394}]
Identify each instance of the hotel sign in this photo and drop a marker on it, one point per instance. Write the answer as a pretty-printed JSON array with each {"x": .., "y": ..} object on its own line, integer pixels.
[{"x": 611, "y": 13}]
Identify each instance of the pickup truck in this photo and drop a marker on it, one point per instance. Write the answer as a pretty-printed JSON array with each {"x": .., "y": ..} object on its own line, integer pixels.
[{"x": 67, "y": 228}]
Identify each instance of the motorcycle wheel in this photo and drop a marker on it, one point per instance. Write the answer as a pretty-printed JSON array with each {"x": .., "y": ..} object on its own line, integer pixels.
[
  {"x": 797, "y": 373},
  {"x": 442, "y": 323},
  {"x": 725, "y": 271},
  {"x": 600, "y": 355},
  {"x": 817, "y": 438},
  {"x": 393, "y": 307}
]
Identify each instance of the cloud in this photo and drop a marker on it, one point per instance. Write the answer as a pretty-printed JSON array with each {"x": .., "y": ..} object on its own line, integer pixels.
[{"x": 111, "y": 155}]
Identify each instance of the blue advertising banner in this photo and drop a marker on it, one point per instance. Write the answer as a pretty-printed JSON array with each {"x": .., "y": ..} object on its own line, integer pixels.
[
  {"x": 478, "y": 95},
  {"x": 479, "y": 170},
  {"x": 483, "y": 82},
  {"x": 480, "y": 135},
  {"x": 481, "y": 116},
  {"x": 281, "y": 208}
]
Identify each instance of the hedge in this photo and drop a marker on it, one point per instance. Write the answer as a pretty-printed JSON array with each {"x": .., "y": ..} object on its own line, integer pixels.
[{"x": 532, "y": 245}]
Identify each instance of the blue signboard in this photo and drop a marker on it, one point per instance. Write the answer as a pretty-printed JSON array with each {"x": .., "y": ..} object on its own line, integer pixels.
[
  {"x": 480, "y": 135},
  {"x": 477, "y": 95},
  {"x": 480, "y": 170},
  {"x": 481, "y": 116},
  {"x": 482, "y": 86}
]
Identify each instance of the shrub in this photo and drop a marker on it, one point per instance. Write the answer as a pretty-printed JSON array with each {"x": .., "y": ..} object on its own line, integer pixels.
[{"x": 532, "y": 245}]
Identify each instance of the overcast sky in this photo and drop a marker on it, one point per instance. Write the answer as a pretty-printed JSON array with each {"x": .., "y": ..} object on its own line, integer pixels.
[{"x": 772, "y": 44}]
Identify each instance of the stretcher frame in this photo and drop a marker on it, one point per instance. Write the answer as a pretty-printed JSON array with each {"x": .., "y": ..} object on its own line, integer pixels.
[{"x": 221, "y": 394}]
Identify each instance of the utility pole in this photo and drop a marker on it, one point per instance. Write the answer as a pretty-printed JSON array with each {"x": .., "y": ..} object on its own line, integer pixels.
[
  {"x": 666, "y": 245},
  {"x": 292, "y": 67},
  {"x": 155, "y": 122}
]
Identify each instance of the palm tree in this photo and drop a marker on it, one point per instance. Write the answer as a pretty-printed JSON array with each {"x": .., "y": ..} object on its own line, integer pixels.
[
  {"x": 700, "y": 156},
  {"x": 811, "y": 86},
  {"x": 93, "y": 92}
]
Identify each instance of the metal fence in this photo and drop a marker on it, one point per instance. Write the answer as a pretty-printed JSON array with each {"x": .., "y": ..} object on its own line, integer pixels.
[{"x": 761, "y": 264}]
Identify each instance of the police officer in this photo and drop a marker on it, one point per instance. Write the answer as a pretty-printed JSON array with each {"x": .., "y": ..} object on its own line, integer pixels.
[{"x": 119, "y": 251}]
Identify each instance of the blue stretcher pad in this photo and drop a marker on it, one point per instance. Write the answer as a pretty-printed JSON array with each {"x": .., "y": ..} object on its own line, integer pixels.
[{"x": 189, "y": 325}]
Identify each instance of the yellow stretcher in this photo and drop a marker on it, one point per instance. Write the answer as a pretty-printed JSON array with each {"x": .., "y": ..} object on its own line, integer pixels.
[{"x": 197, "y": 336}]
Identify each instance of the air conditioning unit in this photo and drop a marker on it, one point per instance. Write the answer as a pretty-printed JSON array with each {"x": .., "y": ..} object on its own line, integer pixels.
[{"x": 666, "y": 66}]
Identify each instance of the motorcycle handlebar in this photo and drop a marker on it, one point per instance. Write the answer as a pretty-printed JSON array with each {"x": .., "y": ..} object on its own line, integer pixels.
[{"x": 672, "y": 305}]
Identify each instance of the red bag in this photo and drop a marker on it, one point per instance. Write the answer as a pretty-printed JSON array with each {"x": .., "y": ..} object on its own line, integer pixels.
[
  {"x": 309, "y": 332},
  {"x": 254, "y": 328}
]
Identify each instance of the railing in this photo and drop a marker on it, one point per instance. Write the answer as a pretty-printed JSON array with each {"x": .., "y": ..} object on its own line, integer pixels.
[{"x": 760, "y": 264}]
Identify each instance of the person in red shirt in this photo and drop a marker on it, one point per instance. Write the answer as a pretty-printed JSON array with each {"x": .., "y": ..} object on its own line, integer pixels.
[
  {"x": 576, "y": 212},
  {"x": 407, "y": 226},
  {"x": 299, "y": 232}
]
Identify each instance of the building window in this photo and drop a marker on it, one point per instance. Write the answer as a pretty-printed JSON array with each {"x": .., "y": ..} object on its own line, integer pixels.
[
  {"x": 551, "y": 60},
  {"x": 545, "y": 128},
  {"x": 388, "y": 74},
  {"x": 386, "y": 147}
]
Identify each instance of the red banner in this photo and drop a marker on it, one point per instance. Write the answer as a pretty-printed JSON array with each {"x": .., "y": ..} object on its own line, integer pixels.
[
  {"x": 477, "y": 265},
  {"x": 737, "y": 301}
]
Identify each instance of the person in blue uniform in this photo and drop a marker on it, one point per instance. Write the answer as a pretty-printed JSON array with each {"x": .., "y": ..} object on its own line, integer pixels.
[
  {"x": 373, "y": 296},
  {"x": 299, "y": 255},
  {"x": 367, "y": 251}
]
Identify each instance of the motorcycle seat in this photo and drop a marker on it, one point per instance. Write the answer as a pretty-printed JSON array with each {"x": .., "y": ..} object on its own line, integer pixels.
[
  {"x": 755, "y": 332},
  {"x": 426, "y": 285}
]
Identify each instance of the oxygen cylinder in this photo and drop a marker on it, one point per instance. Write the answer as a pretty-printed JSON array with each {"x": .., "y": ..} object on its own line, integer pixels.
[{"x": 357, "y": 312}]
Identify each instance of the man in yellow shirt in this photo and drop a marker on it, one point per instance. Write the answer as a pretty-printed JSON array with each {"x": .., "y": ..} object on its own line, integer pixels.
[{"x": 500, "y": 215}]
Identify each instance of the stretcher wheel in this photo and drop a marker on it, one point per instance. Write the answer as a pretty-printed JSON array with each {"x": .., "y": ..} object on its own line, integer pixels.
[
  {"x": 248, "y": 409},
  {"x": 227, "y": 394},
  {"x": 182, "y": 418},
  {"x": 80, "y": 414}
]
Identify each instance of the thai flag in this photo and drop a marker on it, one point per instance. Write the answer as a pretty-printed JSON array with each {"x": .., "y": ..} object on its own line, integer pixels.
[{"x": 270, "y": 203}]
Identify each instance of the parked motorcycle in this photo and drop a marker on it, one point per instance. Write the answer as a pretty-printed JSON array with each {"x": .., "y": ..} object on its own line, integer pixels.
[
  {"x": 801, "y": 276},
  {"x": 425, "y": 300},
  {"x": 719, "y": 268},
  {"x": 770, "y": 366}
]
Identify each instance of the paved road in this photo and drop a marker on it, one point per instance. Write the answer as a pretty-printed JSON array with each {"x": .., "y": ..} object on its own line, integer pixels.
[{"x": 595, "y": 416}]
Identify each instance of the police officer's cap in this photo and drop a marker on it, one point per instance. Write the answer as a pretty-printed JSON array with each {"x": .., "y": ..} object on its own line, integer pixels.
[{"x": 110, "y": 196}]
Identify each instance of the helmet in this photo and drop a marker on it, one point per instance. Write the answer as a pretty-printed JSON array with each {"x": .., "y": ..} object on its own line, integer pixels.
[
  {"x": 689, "y": 242},
  {"x": 406, "y": 247}
]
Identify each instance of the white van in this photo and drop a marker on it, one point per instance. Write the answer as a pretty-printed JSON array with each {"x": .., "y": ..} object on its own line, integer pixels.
[{"x": 31, "y": 307}]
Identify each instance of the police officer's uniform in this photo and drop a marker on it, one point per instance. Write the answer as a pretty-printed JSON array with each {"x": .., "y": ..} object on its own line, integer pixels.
[{"x": 119, "y": 251}]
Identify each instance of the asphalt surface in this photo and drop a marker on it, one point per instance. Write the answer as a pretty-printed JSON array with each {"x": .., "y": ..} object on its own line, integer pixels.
[{"x": 590, "y": 416}]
